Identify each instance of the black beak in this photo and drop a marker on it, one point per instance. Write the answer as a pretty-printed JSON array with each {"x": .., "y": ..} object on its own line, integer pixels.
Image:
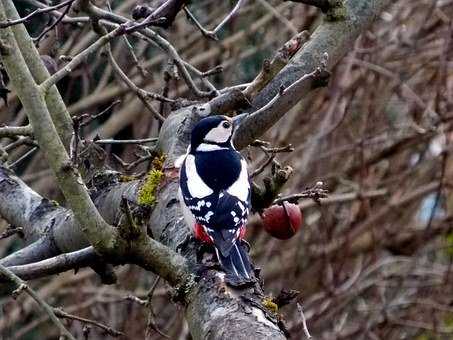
[{"x": 239, "y": 119}]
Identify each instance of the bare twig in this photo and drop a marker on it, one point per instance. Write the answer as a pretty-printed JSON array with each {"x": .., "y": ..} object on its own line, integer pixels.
[
  {"x": 23, "y": 157},
  {"x": 315, "y": 193},
  {"x": 109, "y": 330},
  {"x": 141, "y": 94},
  {"x": 13, "y": 131},
  {"x": 55, "y": 23},
  {"x": 95, "y": 116},
  {"x": 304, "y": 321},
  {"x": 125, "y": 141},
  {"x": 213, "y": 34},
  {"x": 78, "y": 59},
  {"x": 22, "y": 286},
  {"x": 43, "y": 10},
  {"x": 266, "y": 116},
  {"x": 11, "y": 230}
]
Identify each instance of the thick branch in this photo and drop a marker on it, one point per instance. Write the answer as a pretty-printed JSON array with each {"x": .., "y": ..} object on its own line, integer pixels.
[
  {"x": 54, "y": 230},
  {"x": 332, "y": 37},
  {"x": 56, "y": 106},
  {"x": 209, "y": 313}
]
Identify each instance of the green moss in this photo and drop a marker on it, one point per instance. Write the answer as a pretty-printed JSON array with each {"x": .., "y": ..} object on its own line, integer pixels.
[
  {"x": 147, "y": 193},
  {"x": 337, "y": 11},
  {"x": 158, "y": 162},
  {"x": 270, "y": 305},
  {"x": 125, "y": 178},
  {"x": 449, "y": 317},
  {"x": 449, "y": 244}
]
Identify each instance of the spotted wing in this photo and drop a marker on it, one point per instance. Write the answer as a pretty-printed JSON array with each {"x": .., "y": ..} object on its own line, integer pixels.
[
  {"x": 223, "y": 212},
  {"x": 230, "y": 215}
]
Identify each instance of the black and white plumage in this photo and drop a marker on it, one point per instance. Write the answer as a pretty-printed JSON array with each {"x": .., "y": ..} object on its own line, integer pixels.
[{"x": 215, "y": 193}]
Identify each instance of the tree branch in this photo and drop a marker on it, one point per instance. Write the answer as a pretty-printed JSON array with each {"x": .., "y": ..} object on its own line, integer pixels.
[
  {"x": 56, "y": 106},
  {"x": 13, "y": 131},
  {"x": 21, "y": 285},
  {"x": 55, "y": 265}
]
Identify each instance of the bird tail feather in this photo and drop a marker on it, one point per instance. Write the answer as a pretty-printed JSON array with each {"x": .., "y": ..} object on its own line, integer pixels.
[{"x": 236, "y": 264}]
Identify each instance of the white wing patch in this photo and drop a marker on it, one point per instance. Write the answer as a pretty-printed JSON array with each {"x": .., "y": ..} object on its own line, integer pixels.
[
  {"x": 241, "y": 187},
  {"x": 197, "y": 188},
  {"x": 205, "y": 147},
  {"x": 180, "y": 159}
]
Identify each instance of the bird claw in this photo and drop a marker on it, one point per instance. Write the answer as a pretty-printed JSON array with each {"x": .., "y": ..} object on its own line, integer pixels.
[{"x": 237, "y": 282}]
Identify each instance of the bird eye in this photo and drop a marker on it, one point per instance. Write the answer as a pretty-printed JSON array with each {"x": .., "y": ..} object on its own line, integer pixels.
[{"x": 226, "y": 125}]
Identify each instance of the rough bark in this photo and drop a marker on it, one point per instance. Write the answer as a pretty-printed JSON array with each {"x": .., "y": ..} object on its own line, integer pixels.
[{"x": 214, "y": 311}]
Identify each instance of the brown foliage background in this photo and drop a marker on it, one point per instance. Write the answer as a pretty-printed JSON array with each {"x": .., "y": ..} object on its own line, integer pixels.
[{"x": 373, "y": 261}]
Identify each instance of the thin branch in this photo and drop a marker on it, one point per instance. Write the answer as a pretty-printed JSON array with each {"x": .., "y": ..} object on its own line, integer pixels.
[
  {"x": 213, "y": 34},
  {"x": 315, "y": 193},
  {"x": 20, "y": 141},
  {"x": 95, "y": 116},
  {"x": 55, "y": 23},
  {"x": 304, "y": 321},
  {"x": 261, "y": 120},
  {"x": 280, "y": 59},
  {"x": 78, "y": 59},
  {"x": 22, "y": 286},
  {"x": 69, "y": 180},
  {"x": 13, "y": 131},
  {"x": 57, "y": 264},
  {"x": 159, "y": 41},
  {"x": 129, "y": 166},
  {"x": 46, "y": 9},
  {"x": 162, "y": 16},
  {"x": 23, "y": 157},
  {"x": 109, "y": 330},
  {"x": 126, "y": 141},
  {"x": 141, "y": 94},
  {"x": 11, "y": 230}
]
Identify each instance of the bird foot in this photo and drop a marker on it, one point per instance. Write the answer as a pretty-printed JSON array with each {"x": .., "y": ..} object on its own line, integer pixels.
[{"x": 237, "y": 282}]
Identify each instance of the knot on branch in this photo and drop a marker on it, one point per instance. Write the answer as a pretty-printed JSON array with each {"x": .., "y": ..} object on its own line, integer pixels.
[
  {"x": 315, "y": 193},
  {"x": 262, "y": 197},
  {"x": 163, "y": 16}
]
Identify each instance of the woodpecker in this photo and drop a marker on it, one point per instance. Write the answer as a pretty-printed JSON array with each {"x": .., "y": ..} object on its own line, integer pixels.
[{"x": 215, "y": 193}]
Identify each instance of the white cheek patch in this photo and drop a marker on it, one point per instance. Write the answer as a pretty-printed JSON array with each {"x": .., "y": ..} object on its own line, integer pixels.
[
  {"x": 197, "y": 188},
  {"x": 241, "y": 187},
  {"x": 219, "y": 134}
]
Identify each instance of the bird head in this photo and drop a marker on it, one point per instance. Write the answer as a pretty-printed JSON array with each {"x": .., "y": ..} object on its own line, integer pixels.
[{"x": 212, "y": 132}]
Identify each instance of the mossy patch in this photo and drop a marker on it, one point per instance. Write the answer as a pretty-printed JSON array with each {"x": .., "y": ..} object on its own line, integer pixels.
[
  {"x": 147, "y": 193},
  {"x": 126, "y": 178},
  {"x": 449, "y": 244},
  {"x": 158, "y": 162},
  {"x": 270, "y": 305},
  {"x": 337, "y": 11}
]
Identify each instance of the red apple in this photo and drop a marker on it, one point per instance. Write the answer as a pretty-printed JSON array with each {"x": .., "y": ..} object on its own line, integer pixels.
[{"x": 282, "y": 221}]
